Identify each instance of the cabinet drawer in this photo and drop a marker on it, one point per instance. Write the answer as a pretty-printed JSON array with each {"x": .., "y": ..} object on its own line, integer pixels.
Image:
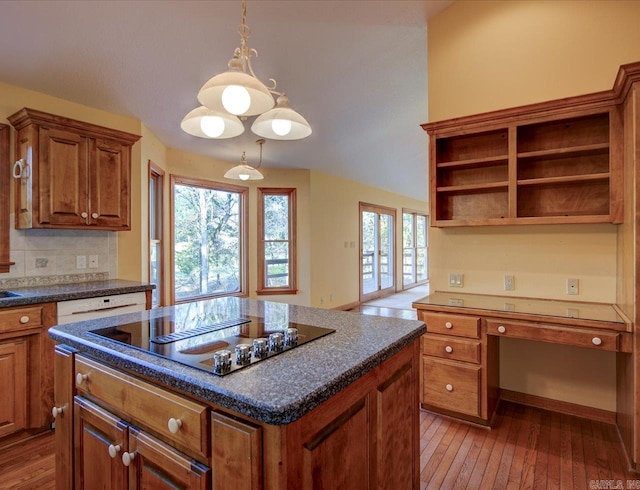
[
  {"x": 451, "y": 385},
  {"x": 147, "y": 405},
  {"x": 450, "y": 348},
  {"x": 594, "y": 339},
  {"x": 12, "y": 319},
  {"x": 458, "y": 325}
]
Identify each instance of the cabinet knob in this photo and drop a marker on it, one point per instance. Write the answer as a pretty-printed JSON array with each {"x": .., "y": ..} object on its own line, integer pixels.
[
  {"x": 449, "y": 387},
  {"x": 55, "y": 411},
  {"x": 94, "y": 215},
  {"x": 174, "y": 425},
  {"x": 448, "y": 349},
  {"x": 501, "y": 329},
  {"x": 84, "y": 215},
  {"x": 596, "y": 341},
  {"x": 114, "y": 450},
  {"x": 127, "y": 458},
  {"x": 24, "y": 319},
  {"x": 80, "y": 378},
  {"x": 448, "y": 325}
]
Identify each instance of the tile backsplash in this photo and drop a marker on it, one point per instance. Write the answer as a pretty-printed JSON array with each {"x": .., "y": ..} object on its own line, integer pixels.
[{"x": 56, "y": 256}]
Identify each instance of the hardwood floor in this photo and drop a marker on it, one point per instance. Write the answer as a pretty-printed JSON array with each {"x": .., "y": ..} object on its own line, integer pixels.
[
  {"x": 527, "y": 448},
  {"x": 29, "y": 465}
]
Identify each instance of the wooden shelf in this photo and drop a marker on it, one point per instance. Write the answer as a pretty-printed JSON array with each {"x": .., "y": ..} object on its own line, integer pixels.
[
  {"x": 475, "y": 162},
  {"x": 577, "y": 179},
  {"x": 566, "y": 152},
  {"x": 474, "y": 187}
]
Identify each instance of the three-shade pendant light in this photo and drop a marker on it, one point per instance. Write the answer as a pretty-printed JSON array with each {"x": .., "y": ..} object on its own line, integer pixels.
[{"x": 230, "y": 97}]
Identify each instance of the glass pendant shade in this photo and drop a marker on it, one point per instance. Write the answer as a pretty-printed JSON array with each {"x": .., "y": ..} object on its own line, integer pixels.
[
  {"x": 243, "y": 172},
  {"x": 227, "y": 91},
  {"x": 281, "y": 123},
  {"x": 206, "y": 123}
]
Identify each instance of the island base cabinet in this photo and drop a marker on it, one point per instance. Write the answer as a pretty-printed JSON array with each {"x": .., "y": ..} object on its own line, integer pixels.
[
  {"x": 156, "y": 465},
  {"x": 100, "y": 441},
  {"x": 366, "y": 436}
]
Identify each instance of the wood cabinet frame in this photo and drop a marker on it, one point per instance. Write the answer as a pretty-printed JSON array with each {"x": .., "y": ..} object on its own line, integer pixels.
[
  {"x": 76, "y": 175},
  {"x": 5, "y": 175}
]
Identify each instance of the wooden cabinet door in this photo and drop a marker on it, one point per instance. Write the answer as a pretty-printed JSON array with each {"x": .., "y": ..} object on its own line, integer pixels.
[
  {"x": 100, "y": 440},
  {"x": 62, "y": 178},
  {"x": 13, "y": 380},
  {"x": 109, "y": 182},
  {"x": 155, "y": 465}
]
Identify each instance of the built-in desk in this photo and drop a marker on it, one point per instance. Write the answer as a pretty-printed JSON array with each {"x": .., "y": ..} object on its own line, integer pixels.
[{"x": 460, "y": 351}]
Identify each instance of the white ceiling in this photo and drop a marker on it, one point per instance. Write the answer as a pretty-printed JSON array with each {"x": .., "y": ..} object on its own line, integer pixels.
[{"x": 356, "y": 70}]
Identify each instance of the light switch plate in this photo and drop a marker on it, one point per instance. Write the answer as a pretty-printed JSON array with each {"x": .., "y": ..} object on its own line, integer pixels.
[{"x": 572, "y": 286}]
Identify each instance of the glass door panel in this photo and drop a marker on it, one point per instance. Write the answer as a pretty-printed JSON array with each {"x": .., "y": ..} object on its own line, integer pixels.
[{"x": 377, "y": 257}]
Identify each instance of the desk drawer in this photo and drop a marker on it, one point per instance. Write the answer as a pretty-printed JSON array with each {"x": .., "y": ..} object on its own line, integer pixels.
[
  {"x": 450, "y": 348},
  {"x": 146, "y": 404},
  {"x": 593, "y": 339},
  {"x": 449, "y": 324},
  {"x": 12, "y": 319},
  {"x": 452, "y": 386}
]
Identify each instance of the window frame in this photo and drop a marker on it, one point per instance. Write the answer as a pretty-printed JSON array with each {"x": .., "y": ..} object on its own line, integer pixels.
[
  {"x": 244, "y": 230},
  {"x": 291, "y": 288},
  {"x": 414, "y": 247},
  {"x": 156, "y": 173}
]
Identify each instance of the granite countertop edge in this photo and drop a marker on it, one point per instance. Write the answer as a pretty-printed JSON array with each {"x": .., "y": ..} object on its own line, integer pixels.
[
  {"x": 65, "y": 292},
  {"x": 181, "y": 381}
]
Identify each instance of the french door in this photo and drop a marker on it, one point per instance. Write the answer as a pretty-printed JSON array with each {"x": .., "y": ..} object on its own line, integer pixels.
[{"x": 377, "y": 251}]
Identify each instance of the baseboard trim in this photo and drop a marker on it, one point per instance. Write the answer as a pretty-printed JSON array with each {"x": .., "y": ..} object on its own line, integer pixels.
[
  {"x": 559, "y": 406},
  {"x": 348, "y": 306}
]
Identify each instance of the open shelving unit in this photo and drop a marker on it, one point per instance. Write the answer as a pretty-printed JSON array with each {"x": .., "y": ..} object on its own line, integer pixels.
[{"x": 556, "y": 162}]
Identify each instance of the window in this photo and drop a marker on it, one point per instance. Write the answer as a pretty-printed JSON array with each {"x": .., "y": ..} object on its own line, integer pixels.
[
  {"x": 414, "y": 243},
  {"x": 276, "y": 241},
  {"x": 156, "y": 214},
  {"x": 209, "y": 239}
]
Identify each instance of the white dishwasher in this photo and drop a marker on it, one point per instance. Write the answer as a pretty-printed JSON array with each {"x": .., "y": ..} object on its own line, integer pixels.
[{"x": 77, "y": 310}]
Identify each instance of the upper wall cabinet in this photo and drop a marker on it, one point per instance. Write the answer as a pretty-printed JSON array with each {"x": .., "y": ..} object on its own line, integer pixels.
[
  {"x": 553, "y": 162},
  {"x": 71, "y": 174}
]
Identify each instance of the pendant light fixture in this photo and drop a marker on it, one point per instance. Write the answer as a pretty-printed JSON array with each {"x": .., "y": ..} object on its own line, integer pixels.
[
  {"x": 244, "y": 171},
  {"x": 238, "y": 93}
]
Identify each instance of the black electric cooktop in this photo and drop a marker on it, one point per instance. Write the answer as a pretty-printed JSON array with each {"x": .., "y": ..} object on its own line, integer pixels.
[{"x": 219, "y": 347}]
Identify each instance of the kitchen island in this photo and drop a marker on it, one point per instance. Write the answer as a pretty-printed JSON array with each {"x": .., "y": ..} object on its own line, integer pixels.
[{"x": 339, "y": 411}]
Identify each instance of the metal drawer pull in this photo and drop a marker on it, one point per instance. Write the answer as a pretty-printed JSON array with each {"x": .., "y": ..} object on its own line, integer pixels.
[
  {"x": 55, "y": 411},
  {"x": 448, "y": 349},
  {"x": 80, "y": 378},
  {"x": 84, "y": 214},
  {"x": 448, "y": 325},
  {"x": 114, "y": 450},
  {"x": 174, "y": 425},
  {"x": 596, "y": 341},
  {"x": 24, "y": 319},
  {"x": 449, "y": 387},
  {"x": 94, "y": 215},
  {"x": 127, "y": 458},
  {"x": 501, "y": 329}
]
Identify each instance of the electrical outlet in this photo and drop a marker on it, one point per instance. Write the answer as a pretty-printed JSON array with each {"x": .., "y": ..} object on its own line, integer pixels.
[
  {"x": 509, "y": 307},
  {"x": 93, "y": 261},
  {"x": 572, "y": 286},
  {"x": 321, "y": 300},
  {"x": 509, "y": 283},
  {"x": 456, "y": 280},
  {"x": 573, "y": 313},
  {"x": 81, "y": 261}
]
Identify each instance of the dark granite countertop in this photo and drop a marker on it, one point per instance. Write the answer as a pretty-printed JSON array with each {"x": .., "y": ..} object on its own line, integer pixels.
[
  {"x": 278, "y": 390},
  {"x": 64, "y": 292}
]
